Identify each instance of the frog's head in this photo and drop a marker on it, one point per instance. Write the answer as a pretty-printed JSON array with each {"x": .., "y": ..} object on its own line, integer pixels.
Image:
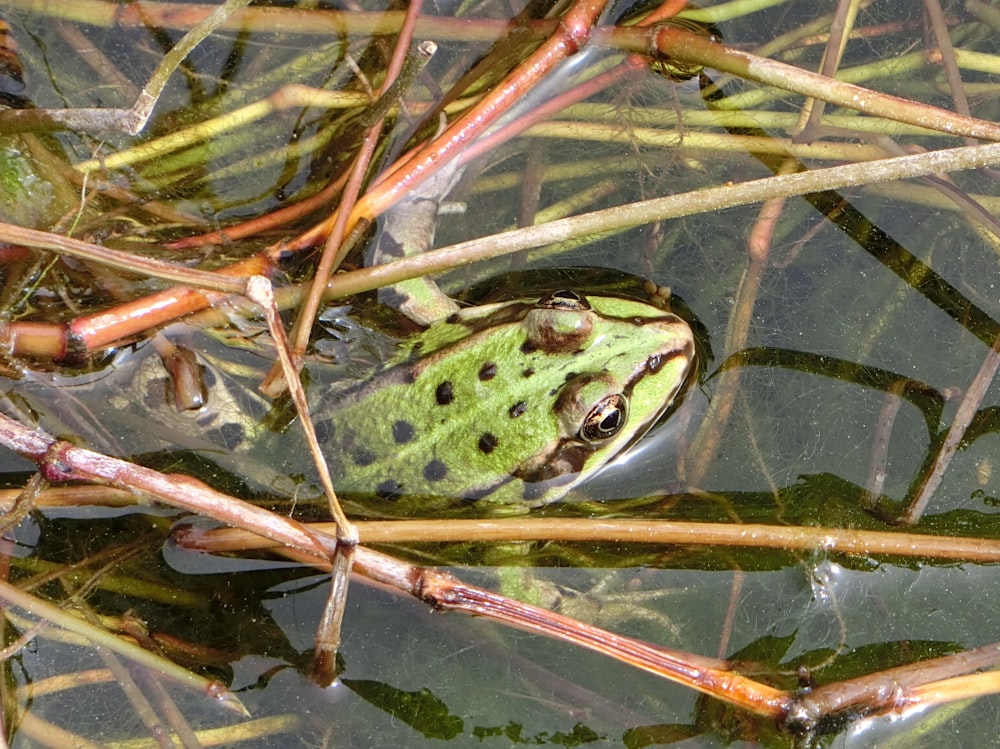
[{"x": 629, "y": 362}]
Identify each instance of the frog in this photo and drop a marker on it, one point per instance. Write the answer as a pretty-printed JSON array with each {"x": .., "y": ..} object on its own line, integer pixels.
[{"x": 512, "y": 403}]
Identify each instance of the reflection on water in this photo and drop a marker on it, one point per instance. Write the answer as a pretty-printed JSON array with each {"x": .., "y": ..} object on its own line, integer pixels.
[{"x": 843, "y": 322}]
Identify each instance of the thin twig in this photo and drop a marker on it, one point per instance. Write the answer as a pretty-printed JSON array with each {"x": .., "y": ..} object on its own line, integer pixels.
[
  {"x": 863, "y": 543},
  {"x": 930, "y": 481}
]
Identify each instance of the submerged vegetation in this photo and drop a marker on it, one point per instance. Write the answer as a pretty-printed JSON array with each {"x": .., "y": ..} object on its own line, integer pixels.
[{"x": 216, "y": 219}]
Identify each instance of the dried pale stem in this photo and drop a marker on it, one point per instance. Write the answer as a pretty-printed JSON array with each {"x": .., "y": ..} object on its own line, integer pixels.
[
  {"x": 324, "y": 663},
  {"x": 13, "y": 596},
  {"x": 258, "y": 290},
  {"x": 252, "y": 730},
  {"x": 124, "y": 261},
  {"x": 929, "y": 483},
  {"x": 673, "y": 43},
  {"x": 792, "y": 538},
  {"x": 328, "y": 633},
  {"x": 807, "y": 538},
  {"x": 333, "y": 250},
  {"x": 143, "y": 107},
  {"x": 659, "y": 209}
]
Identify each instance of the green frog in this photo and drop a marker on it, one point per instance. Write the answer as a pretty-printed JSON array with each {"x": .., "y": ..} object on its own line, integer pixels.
[{"x": 516, "y": 402}]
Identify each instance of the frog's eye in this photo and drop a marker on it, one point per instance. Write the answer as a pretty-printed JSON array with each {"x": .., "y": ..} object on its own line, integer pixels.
[
  {"x": 605, "y": 419},
  {"x": 565, "y": 299}
]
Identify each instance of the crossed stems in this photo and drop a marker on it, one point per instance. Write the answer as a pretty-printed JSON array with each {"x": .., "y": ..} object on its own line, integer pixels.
[
  {"x": 917, "y": 685},
  {"x": 575, "y": 30}
]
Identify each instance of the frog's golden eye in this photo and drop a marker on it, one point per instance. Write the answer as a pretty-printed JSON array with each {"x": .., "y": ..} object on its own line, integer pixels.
[
  {"x": 565, "y": 299},
  {"x": 605, "y": 419}
]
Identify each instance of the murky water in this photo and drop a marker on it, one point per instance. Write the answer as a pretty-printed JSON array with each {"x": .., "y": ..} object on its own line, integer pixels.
[{"x": 889, "y": 304}]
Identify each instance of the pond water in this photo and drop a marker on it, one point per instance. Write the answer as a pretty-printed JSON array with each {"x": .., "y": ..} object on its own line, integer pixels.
[{"x": 830, "y": 372}]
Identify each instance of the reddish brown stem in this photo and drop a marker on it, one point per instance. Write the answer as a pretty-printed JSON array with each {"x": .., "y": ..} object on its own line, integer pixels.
[
  {"x": 60, "y": 461},
  {"x": 886, "y": 690},
  {"x": 550, "y": 108},
  {"x": 268, "y": 222},
  {"x": 91, "y": 333},
  {"x": 331, "y": 252},
  {"x": 573, "y": 32},
  {"x": 703, "y": 674}
]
